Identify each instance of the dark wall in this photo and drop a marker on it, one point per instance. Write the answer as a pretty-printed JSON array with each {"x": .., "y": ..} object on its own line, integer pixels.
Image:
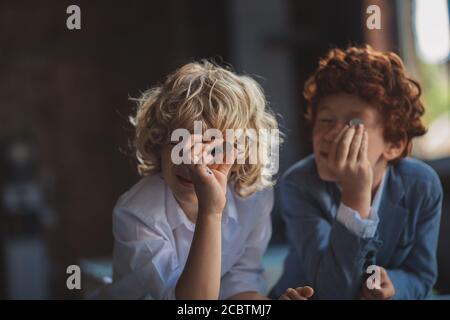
[{"x": 318, "y": 26}]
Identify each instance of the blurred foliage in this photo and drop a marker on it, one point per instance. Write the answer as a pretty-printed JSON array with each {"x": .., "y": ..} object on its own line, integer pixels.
[{"x": 436, "y": 90}]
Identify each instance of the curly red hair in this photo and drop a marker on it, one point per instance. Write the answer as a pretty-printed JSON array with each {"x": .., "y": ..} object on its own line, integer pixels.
[{"x": 375, "y": 77}]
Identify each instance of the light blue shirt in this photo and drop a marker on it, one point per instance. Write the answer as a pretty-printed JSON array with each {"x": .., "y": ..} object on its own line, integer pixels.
[
  {"x": 152, "y": 238},
  {"x": 351, "y": 219}
]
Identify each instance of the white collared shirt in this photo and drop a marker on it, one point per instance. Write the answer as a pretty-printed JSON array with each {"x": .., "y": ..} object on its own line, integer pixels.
[{"x": 152, "y": 238}]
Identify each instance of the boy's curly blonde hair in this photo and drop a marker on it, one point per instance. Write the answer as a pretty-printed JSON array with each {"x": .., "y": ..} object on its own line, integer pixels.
[{"x": 202, "y": 91}]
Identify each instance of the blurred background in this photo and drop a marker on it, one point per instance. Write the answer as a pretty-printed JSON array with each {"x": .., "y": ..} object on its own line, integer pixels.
[{"x": 64, "y": 107}]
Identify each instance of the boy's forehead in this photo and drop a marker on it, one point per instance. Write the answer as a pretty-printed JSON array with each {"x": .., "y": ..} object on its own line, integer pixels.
[{"x": 350, "y": 107}]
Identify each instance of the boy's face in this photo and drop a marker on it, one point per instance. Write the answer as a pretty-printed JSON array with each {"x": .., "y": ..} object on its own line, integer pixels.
[
  {"x": 177, "y": 177},
  {"x": 334, "y": 112}
]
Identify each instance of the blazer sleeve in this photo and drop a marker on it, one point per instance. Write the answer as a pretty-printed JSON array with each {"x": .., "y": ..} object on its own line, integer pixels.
[{"x": 415, "y": 278}]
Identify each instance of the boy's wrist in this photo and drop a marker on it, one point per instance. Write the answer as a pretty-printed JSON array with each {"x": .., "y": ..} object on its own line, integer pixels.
[
  {"x": 361, "y": 184},
  {"x": 209, "y": 214},
  {"x": 358, "y": 200}
]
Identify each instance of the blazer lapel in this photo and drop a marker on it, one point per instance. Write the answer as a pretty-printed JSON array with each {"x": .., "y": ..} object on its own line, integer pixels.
[{"x": 392, "y": 215}]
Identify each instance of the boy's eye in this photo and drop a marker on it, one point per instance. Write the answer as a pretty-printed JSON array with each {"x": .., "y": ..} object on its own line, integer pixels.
[{"x": 325, "y": 120}]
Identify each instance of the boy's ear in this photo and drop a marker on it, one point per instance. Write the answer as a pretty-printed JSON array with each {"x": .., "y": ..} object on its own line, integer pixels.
[{"x": 394, "y": 150}]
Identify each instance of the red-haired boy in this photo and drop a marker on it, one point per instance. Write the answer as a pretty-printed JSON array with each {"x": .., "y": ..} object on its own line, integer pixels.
[{"x": 358, "y": 200}]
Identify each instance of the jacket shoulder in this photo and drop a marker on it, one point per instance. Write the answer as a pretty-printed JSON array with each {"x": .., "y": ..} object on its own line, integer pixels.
[
  {"x": 416, "y": 172},
  {"x": 303, "y": 172}
]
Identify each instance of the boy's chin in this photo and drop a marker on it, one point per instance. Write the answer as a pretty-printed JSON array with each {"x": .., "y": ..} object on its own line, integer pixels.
[{"x": 183, "y": 195}]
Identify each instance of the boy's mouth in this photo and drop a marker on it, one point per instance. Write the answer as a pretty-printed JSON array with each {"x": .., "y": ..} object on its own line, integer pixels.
[
  {"x": 324, "y": 154},
  {"x": 184, "y": 181}
]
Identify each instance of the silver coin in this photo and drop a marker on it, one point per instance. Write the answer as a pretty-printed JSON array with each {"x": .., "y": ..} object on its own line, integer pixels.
[{"x": 354, "y": 122}]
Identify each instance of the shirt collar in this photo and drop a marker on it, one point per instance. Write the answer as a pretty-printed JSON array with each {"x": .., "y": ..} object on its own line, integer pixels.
[
  {"x": 377, "y": 199},
  {"x": 174, "y": 213},
  {"x": 230, "y": 211}
]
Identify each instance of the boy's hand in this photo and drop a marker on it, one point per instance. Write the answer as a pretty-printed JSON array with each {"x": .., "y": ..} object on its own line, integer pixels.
[
  {"x": 210, "y": 183},
  {"x": 386, "y": 290},
  {"x": 300, "y": 293},
  {"x": 348, "y": 161}
]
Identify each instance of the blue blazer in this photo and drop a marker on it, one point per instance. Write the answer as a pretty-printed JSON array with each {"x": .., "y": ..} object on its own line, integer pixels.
[{"x": 324, "y": 254}]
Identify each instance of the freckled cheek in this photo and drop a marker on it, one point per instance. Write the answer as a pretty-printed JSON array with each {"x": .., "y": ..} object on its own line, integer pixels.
[{"x": 375, "y": 149}]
